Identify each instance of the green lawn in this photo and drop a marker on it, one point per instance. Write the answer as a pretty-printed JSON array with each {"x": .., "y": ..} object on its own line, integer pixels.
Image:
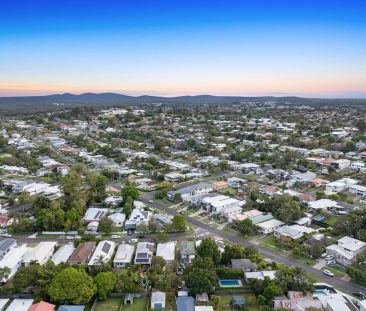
[
  {"x": 111, "y": 304},
  {"x": 271, "y": 243},
  {"x": 225, "y": 305},
  {"x": 229, "y": 191},
  {"x": 307, "y": 261},
  {"x": 337, "y": 270},
  {"x": 139, "y": 304},
  {"x": 330, "y": 221}
]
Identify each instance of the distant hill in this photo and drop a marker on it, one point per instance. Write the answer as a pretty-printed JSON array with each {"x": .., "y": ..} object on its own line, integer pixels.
[{"x": 113, "y": 99}]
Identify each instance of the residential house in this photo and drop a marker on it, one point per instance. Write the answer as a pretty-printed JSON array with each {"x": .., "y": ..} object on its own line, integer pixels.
[
  {"x": 118, "y": 219},
  {"x": 13, "y": 260},
  {"x": 358, "y": 190},
  {"x": 219, "y": 185},
  {"x": 243, "y": 264},
  {"x": 187, "y": 250},
  {"x": 297, "y": 301},
  {"x": 102, "y": 254},
  {"x": 20, "y": 305},
  {"x": 71, "y": 308},
  {"x": 40, "y": 254},
  {"x": 5, "y": 246},
  {"x": 3, "y": 303},
  {"x": 166, "y": 251},
  {"x": 346, "y": 250},
  {"x": 63, "y": 253},
  {"x": 190, "y": 191},
  {"x": 94, "y": 214},
  {"x": 124, "y": 256},
  {"x": 287, "y": 231},
  {"x": 82, "y": 253},
  {"x": 269, "y": 226},
  {"x": 42, "y": 306},
  {"x": 158, "y": 300},
  {"x": 259, "y": 275},
  {"x": 144, "y": 253}
]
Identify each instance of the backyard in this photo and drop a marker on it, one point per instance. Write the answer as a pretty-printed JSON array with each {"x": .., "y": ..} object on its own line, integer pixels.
[{"x": 225, "y": 303}]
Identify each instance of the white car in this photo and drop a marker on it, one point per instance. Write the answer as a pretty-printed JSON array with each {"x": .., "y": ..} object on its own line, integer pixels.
[
  {"x": 328, "y": 273},
  {"x": 329, "y": 257},
  {"x": 115, "y": 236},
  {"x": 6, "y": 235},
  {"x": 331, "y": 262},
  {"x": 69, "y": 237},
  {"x": 133, "y": 241}
]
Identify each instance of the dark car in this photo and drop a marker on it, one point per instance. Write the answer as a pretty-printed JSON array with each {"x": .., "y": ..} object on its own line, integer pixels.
[{"x": 360, "y": 295}]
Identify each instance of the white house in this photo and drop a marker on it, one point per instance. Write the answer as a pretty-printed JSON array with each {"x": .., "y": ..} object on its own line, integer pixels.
[
  {"x": 222, "y": 203},
  {"x": 124, "y": 255},
  {"x": 358, "y": 190},
  {"x": 94, "y": 214},
  {"x": 13, "y": 260},
  {"x": 63, "y": 253},
  {"x": 260, "y": 275},
  {"x": 166, "y": 250},
  {"x": 335, "y": 187},
  {"x": 40, "y": 254},
  {"x": 118, "y": 219},
  {"x": 269, "y": 226},
  {"x": 20, "y": 305},
  {"x": 102, "y": 254},
  {"x": 346, "y": 250},
  {"x": 287, "y": 231},
  {"x": 113, "y": 200},
  {"x": 323, "y": 204},
  {"x": 188, "y": 192},
  {"x": 341, "y": 164}
]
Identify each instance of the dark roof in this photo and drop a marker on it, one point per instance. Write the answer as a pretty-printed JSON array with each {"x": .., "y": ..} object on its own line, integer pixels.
[
  {"x": 6, "y": 244},
  {"x": 185, "y": 303},
  {"x": 106, "y": 247},
  {"x": 82, "y": 252},
  {"x": 245, "y": 264}
]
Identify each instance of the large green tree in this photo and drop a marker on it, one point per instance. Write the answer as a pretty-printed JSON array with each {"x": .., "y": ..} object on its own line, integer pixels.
[
  {"x": 72, "y": 286},
  {"x": 209, "y": 248},
  {"x": 106, "y": 282}
]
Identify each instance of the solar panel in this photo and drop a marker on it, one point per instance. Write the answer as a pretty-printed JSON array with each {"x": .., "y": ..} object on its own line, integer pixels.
[
  {"x": 106, "y": 247},
  {"x": 97, "y": 215}
]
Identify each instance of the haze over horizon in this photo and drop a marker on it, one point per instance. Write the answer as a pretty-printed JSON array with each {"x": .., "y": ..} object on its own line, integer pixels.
[{"x": 168, "y": 49}]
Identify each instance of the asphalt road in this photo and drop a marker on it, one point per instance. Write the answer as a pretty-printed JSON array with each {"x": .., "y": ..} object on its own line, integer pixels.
[{"x": 334, "y": 281}]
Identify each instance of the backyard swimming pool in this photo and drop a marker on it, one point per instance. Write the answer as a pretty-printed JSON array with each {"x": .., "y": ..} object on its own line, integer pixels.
[{"x": 230, "y": 283}]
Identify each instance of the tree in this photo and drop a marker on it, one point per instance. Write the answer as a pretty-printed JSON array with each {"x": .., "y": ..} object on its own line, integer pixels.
[
  {"x": 106, "y": 225},
  {"x": 71, "y": 184},
  {"x": 127, "y": 281},
  {"x": 235, "y": 251},
  {"x": 294, "y": 278},
  {"x": 246, "y": 227},
  {"x": 130, "y": 191},
  {"x": 127, "y": 207},
  {"x": 158, "y": 263},
  {"x": 200, "y": 276},
  {"x": 105, "y": 281},
  {"x": 97, "y": 185},
  {"x": 179, "y": 223},
  {"x": 177, "y": 198},
  {"x": 209, "y": 248},
  {"x": 72, "y": 286},
  {"x": 4, "y": 273}
]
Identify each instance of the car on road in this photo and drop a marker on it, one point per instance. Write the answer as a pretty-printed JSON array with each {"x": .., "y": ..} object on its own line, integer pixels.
[
  {"x": 360, "y": 295},
  {"x": 69, "y": 237},
  {"x": 151, "y": 201},
  {"x": 77, "y": 237},
  {"x": 133, "y": 241},
  {"x": 115, "y": 236},
  {"x": 328, "y": 273},
  {"x": 5, "y": 235}
]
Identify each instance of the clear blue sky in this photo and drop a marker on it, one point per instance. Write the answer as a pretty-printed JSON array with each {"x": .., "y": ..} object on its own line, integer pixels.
[{"x": 308, "y": 48}]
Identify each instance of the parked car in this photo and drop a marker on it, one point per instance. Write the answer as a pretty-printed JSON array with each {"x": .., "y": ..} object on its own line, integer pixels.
[
  {"x": 69, "y": 237},
  {"x": 6, "y": 235},
  {"x": 329, "y": 257},
  {"x": 115, "y": 236},
  {"x": 331, "y": 262},
  {"x": 133, "y": 241},
  {"x": 360, "y": 295},
  {"x": 328, "y": 273}
]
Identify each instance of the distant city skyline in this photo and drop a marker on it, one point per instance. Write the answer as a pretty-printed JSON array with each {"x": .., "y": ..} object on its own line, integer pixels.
[{"x": 273, "y": 48}]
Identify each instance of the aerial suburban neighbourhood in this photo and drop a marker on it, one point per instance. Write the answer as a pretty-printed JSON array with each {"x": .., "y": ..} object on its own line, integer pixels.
[
  {"x": 183, "y": 155},
  {"x": 184, "y": 207}
]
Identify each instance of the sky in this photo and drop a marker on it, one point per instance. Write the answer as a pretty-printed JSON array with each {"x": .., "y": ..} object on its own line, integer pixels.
[{"x": 304, "y": 48}]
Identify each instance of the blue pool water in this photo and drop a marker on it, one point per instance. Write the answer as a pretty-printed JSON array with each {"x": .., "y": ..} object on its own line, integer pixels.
[{"x": 230, "y": 283}]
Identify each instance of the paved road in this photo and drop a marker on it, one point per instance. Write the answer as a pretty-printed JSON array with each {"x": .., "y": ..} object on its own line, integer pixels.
[{"x": 336, "y": 282}]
